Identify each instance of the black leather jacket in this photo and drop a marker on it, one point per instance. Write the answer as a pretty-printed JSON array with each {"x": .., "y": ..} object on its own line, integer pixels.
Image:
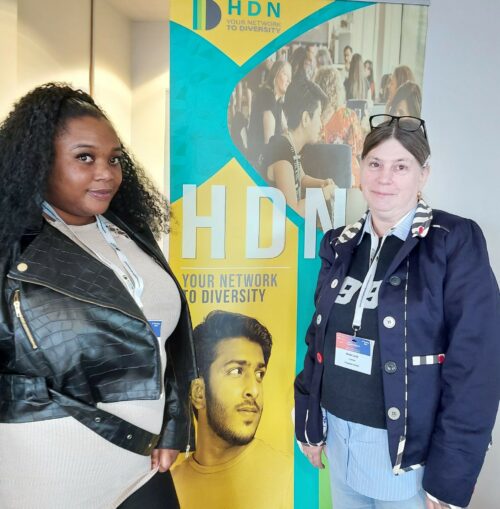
[{"x": 71, "y": 336}]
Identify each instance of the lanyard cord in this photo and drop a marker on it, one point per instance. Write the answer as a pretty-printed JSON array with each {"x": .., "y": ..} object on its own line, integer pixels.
[
  {"x": 136, "y": 282},
  {"x": 376, "y": 248},
  {"x": 130, "y": 278},
  {"x": 297, "y": 165},
  {"x": 367, "y": 283}
]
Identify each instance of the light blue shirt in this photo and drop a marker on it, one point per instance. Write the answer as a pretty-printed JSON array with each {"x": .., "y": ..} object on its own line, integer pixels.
[
  {"x": 359, "y": 454},
  {"x": 401, "y": 229}
]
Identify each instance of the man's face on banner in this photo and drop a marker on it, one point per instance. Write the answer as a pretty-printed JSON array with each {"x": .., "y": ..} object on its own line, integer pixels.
[{"x": 234, "y": 392}]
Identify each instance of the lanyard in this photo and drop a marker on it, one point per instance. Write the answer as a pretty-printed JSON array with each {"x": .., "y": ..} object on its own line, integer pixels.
[
  {"x": 297, "y": 166},
  {"x": 130, "y": 278},
  {"x": 364, "y": 292}
]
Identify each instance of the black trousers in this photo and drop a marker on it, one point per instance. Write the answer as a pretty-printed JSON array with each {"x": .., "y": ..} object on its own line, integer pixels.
[{"x": 157, "y": 493}]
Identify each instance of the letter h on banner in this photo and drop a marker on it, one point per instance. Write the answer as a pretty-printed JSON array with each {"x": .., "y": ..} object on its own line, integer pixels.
[{"x": 216, "y": 222}]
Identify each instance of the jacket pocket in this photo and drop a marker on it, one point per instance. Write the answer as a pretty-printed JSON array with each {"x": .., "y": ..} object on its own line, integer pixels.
[
  {"x": 24, "y": 324},
  {"x": 425, "y": 360}
]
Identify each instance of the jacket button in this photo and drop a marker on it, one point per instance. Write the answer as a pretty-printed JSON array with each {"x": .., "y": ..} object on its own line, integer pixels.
[
  {"x": 129, "y": 437},
  {"x": 318, "y": 319},
  {"x": 389, "y": 322},
  {"x": 394, "y": 413},
  {"x": 390, "y": 367},
  {"x": 22, "y": 267},
  {"x": 395, "y": 280},
  {"x": 334, "y": 284},
  {"x": 319, "y": 357},
  {"x": 97, "y": 419}
]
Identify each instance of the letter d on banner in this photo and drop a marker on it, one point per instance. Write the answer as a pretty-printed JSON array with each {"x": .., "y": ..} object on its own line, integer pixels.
[{"x": 254, "y": 195}]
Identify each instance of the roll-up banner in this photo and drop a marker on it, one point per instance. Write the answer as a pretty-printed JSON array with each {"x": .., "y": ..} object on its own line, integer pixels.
[{"x": 262, "y": 163}]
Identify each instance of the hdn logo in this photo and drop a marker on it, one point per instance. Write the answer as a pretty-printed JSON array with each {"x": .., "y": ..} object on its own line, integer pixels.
[{"x": 206, "y": 14}]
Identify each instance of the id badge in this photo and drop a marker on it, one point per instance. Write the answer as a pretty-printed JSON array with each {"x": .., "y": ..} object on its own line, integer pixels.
[
  {"x": 156, "y": 326},
  {"x": 354, "y": 353}
]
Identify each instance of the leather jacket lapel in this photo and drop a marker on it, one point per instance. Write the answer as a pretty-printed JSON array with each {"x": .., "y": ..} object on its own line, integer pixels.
[{"x": 54, "y": 261}]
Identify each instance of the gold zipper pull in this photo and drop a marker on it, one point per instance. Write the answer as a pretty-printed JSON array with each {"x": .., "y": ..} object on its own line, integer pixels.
[
  {"x": 24, "y": 323},
  {"x": 17, "y": 304}
]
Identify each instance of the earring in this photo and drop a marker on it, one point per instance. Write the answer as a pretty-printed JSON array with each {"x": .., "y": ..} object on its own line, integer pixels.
[{"x": 419, "y": 195}]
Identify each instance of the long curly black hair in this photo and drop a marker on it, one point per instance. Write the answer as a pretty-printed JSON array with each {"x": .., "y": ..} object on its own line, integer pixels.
[{"x": 27, "y": 156}]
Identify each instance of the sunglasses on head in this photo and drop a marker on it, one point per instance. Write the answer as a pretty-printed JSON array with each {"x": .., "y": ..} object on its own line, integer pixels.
[{"x": 405, "y": 123}]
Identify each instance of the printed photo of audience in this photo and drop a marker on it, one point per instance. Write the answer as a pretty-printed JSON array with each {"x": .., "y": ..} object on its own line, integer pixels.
[{"x": 301, "y": 116}]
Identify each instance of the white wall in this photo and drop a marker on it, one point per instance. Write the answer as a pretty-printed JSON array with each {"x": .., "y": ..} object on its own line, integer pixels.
[
  {"x": 150, "y": 82},
  {"x": 52, "y": 43},
  {"x": 8, "y": 55},
  {"x": 49, "y": 40},
  {"x": 113, "y": 79},
  {"x": 461, "y": 108}
]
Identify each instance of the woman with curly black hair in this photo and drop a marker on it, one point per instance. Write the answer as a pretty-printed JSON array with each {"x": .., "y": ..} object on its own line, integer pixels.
[{"x": 96, "y": 352}]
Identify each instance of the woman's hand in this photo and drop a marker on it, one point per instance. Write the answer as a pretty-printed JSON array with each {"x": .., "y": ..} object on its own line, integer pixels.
[
  {"x": 313, "y": 454},
  {"x": 163, "y": 459}
]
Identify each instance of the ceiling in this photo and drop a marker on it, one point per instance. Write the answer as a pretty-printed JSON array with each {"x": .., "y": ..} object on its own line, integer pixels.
[{"x": 143, "y": 10}]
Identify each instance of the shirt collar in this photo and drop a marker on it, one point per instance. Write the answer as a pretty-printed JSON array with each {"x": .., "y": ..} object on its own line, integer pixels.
[
  {"x": 400, "y": 230},
  {"x": 420, "y": 226}
]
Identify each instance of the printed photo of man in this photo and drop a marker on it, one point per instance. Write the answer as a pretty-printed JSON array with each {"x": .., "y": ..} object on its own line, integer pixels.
[{"x": 230, "y": 467}]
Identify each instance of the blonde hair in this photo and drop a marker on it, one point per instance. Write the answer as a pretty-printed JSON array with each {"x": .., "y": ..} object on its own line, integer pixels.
[{"x": 329, "y": 80}]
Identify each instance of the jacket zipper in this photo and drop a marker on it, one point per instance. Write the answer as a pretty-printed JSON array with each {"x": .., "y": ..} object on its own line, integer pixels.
[
  {"x": 17, "y": 308},
  {"x": 24, "y": 323}
]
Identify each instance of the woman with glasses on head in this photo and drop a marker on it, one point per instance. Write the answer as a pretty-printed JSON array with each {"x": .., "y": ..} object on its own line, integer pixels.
[{"x": 400, "y": 383}]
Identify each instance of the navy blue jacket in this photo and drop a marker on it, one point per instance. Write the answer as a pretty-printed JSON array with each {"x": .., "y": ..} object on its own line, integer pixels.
[{"x": 440, "y": 350}]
